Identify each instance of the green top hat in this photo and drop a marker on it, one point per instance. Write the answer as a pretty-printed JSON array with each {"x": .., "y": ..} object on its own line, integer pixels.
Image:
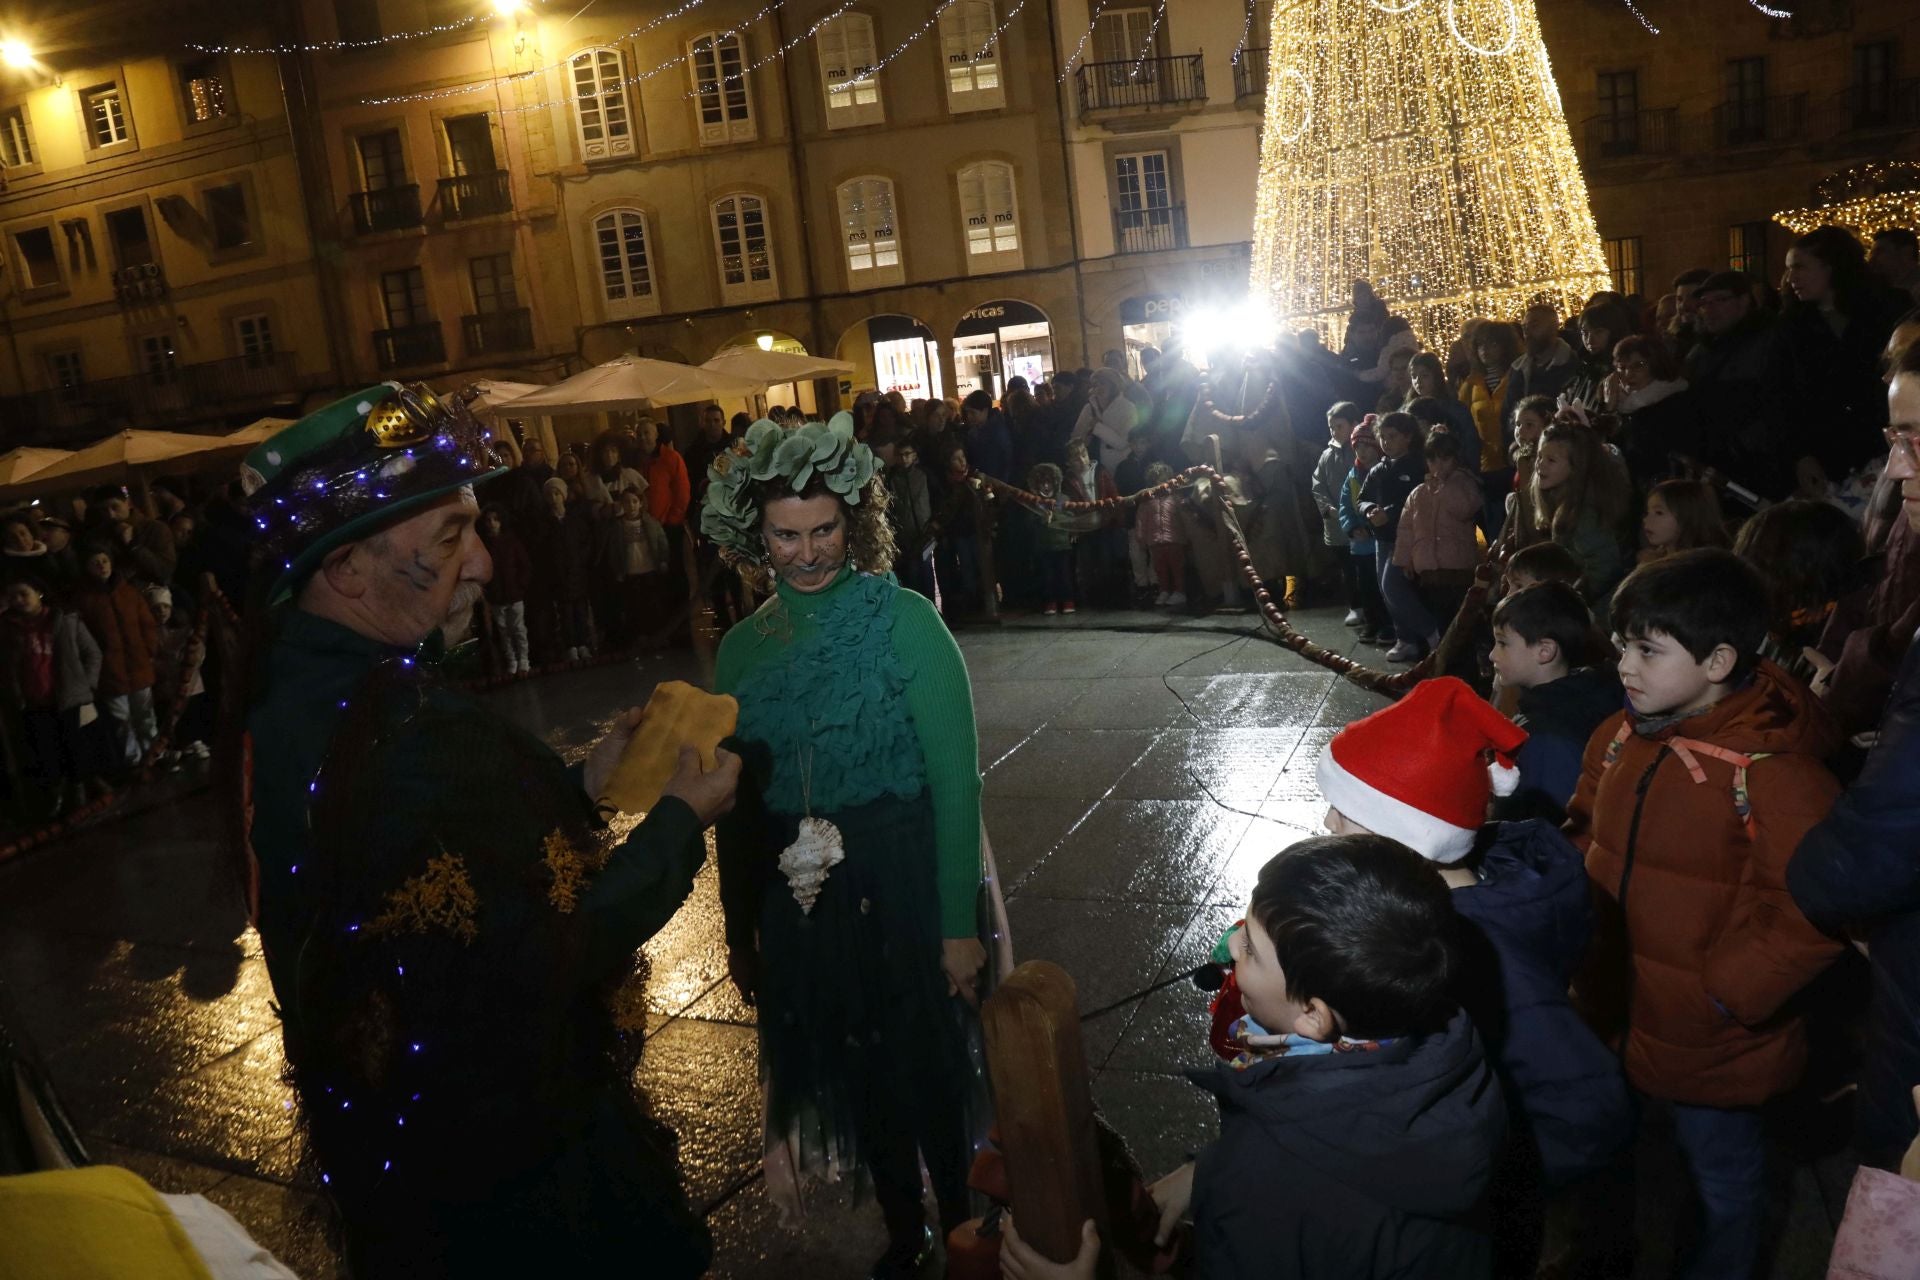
[{"x": 349, "y": 469}]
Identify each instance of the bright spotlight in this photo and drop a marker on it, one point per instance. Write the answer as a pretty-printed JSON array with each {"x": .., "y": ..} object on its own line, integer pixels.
[
  {"x": 764, "y": 342},
  {"x": 1245, "y": 326},
  {"x": 507, "y": 8},
  {"x": 16, "y": 54}
]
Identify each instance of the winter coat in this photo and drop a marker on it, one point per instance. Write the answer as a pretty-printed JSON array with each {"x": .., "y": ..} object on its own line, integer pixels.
[
  {"x": 1559, "y": 717},
  {"x": 911, "y": 507},
  {"x": 1867, "y": 645},
  {"x": 512, "y": 568},
  {"x": 1110, "y": 426},
  {"x": 1529, "y": 919},
  {"x": 76, "y": 658},
  {"x": 639, "y": 547},
  {"x": 1596, "y": 549},
  {"x": 125, "y": 629},
  {"x": 1329, "y": 478},
  {"x": 1159, "y": 524},
  {"x": 1092, "y": 485},
  {"x": 1856, "y": 871},
  {"x": 1362, "y": 1164},
  {"x": 562, "y": 552},
  {"x": 1698, "y": 946},
  {"x": 1274, "y": 526},
  {"x": 1657, "y": 422},
  {"x": 1531, "y": 377},
  {"x": 153, "y": 554},
  {"x": 1387, "y": 488},
  {"x": 1832, "y": 382},
  {"x": 990, "y": 447},
  {"x": 1436, "y": 526},
  {"x": 668, "y": 490},
  {"x": 1741, "y": 411},
  {"x": 603, "y": 492},
  {"x": 1359, "y": 532},
  {"x": 1489, "y": 421}
]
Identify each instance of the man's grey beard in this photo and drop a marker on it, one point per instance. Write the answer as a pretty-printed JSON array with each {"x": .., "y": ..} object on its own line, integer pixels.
[{"x": 459, "y": 620}]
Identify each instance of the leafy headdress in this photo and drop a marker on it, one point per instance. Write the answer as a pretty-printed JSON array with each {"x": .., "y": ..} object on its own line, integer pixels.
[{"x": 770, "y": 455}]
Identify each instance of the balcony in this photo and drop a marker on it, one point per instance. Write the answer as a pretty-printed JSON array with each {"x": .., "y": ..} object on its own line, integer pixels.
[
  {"x": 1758, "y": 122},
  {"x": 414, "y": 344},
  {"x": 496, "y": 331},
  {"x": 188, "y": 392},
  {"x": 1869, "y": 108},
  {"x": 140, "y": 285},
  {"x": 1654, "y": 132},
  {"x": 388, "y": 209},
  {"x": 1250, "y": 75},
  {"x": 1144, "y": 83},
  {"x": 1150, "y": 230},
  {"x": 475, "y": 195}
]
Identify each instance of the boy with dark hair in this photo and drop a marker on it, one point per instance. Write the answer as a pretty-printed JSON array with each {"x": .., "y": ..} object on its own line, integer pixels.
[
  {"x": 1358, "y": 1134},
  {"x": 1541, "y": 562},
  {"x": 1690, "y": 805},
  {"x": 1543, "y": 645}
]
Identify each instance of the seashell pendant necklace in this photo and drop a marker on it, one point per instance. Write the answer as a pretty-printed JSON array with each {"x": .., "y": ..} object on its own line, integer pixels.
[{"x": 815, "y": 850}]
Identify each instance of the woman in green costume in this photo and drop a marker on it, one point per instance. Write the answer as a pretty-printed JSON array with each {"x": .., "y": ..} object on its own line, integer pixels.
[{"x": 850, "y": 870}]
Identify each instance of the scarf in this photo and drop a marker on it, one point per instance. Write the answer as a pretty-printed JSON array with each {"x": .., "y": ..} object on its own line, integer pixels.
[{"x": 1257, "y": 1044}]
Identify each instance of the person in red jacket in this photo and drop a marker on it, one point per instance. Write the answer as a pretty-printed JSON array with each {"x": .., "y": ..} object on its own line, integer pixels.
[
  {"x": 1689, "y": 807},
  {"x": 129, "y": 639},
  {"x": 668, "y": 494}
]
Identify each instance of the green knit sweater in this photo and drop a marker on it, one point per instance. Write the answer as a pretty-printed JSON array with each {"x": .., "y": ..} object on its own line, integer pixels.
[{"x": 843, "y": 684}]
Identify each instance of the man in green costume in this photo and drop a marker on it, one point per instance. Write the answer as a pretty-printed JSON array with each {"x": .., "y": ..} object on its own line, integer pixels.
[{"x": 447, "y": 921}]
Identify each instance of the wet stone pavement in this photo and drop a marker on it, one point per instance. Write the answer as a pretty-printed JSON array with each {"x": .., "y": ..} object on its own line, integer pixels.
[{"x": 1139, "y": 771}]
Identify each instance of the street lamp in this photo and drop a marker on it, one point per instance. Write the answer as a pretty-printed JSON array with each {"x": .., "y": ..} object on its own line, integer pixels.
[
  {"x": 764, "y": 342},
  {"x": 16, "y": 55}
]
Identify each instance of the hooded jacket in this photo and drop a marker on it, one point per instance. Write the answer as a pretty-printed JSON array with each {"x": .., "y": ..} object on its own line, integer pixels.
[
  {"x": 126, "y": 631},
  {"x": 1698, "y": 946},
  {"x": 75, "y": 656},
  {"x": 1436, "y": 525},
  {"x": 1351, "y": 1164},
  {"x": 1388, "y": 486},
  {"x": 1856, "y": 871},
  {"x": 1559, "y": 718},
  {"x": 1531, "y": 916}
]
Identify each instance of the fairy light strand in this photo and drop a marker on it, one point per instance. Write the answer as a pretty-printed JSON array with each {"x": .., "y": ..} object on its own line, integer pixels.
[
  {"x": 341, "y": 46},
  {"x": 1246, "y": 31},
  {"x": 901, "y": 48},
  {"x": 479, "y": 86},
  {"x": 1146, "y": 46},
  {"x": 1079, "y": 48}
]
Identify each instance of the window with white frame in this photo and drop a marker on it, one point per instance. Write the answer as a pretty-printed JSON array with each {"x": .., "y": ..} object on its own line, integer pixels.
[
  {"x": 871, "y": 233},
  {"x": 991, "y": 216},
  {"x": 600, "y": 110},
  {"x": 849, "y": 71},
  {"x": 719, "y": 65},
  {"x": 159, "y": 359},
  {"x": 970, "y": 44},
  {"x": 16, "y": 139},
  {"x": 741, "y": 239},
  {"x": 253, "y": 335},
  {"x": 626, "y": 266},
  {"x": 103, "y": 110}
]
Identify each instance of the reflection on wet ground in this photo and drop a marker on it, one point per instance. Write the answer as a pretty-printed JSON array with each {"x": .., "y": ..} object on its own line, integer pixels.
[{"x": 1139, "y": 770}]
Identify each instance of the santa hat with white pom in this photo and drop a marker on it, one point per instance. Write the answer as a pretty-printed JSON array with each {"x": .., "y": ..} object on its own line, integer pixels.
[{"x": 1418, "y": 771}]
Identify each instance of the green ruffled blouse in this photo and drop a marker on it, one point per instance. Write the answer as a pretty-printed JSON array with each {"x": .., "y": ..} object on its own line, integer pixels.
[{"x": 866, "y": 678}]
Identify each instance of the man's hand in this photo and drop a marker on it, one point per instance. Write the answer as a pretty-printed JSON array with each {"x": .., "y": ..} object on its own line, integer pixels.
[
  {"x": 1377, "y": 518},
  {"x": 604, "y": 758},
  {"x": 963, "y": 958},
  {"x": 1172, "y": 1195},
  {"x": 1021, "y": 1261},
  {"x": 708, "y": 792}
]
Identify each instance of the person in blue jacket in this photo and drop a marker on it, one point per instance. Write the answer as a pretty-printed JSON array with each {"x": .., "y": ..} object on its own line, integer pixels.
[{"x": 1858, "y": 871}]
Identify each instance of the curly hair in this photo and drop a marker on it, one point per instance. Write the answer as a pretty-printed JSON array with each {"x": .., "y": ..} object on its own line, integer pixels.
[{"x": 870, "y": 544}]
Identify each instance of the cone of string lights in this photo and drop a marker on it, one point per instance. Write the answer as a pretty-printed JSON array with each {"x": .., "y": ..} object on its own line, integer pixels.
[{"x": 1419, "y": 145}]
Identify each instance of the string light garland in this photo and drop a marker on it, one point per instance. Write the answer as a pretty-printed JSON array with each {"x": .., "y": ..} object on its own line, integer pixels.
[
  {"x": 1079, "y": 48},
  {"x": 999, "y": 31},
  {"x": 1246, "y": 29},
  {"x": 1146, "y": 46},
  {"x": 476, "y": 86},
  {"x": 343, "y": 46},
  {"x": 1864, "y": 216},
  {"x": 901, "y": 48},
  {"x": 781, "y": 52},
  {"x": 1439, "y": 169}
]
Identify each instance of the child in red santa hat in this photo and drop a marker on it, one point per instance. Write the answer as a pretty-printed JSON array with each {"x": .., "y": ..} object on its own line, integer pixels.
[{"x": 1423, "y": 772}]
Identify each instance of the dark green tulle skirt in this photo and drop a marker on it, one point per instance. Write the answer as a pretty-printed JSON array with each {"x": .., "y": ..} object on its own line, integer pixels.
[{"x": 865, "y": 1056}]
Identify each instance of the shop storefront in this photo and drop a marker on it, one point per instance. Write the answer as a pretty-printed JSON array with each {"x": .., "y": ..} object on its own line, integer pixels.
[
  {"x": 1000, "y": 340},
  {"x": 1153, "y": 320},
  {"x": 902, "y": 354}
]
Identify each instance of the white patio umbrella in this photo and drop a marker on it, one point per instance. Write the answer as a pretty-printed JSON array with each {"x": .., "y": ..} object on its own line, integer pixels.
[
  {"x": 494, "y": 393},
  {"x": 775, "y": 367},
  {"x": 123, "y": 456},
  {"x": 631, "y": 382},
  {"x": 17, "y": 464}
]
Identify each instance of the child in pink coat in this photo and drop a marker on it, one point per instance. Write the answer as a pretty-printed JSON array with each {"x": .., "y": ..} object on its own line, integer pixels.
[
  {"x": 1159, "y": 531},
  {"x": 1436, "y": 549}
]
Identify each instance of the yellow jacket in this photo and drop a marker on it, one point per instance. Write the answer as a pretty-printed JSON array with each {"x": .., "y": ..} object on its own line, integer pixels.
[{"x": 1485, "y": 405}]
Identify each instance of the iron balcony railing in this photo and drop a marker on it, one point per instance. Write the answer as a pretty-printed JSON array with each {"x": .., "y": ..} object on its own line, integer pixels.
[
  {"x": 410, "y": 345},
  {"x": 1893, "y": 105},
  {"x": 140, "y": 284},
  {"x": 144, "y": 399},
  {"x": 1653, "y": 132},
  {"x": 1150, "y": 230},
  {"x": 388, "y": 209},
  {"x": 492, "y": 331},
  {"x": 1250, "y": 74},
  {"x": 475, "y": 195},
  {"x": 1142, "y": 82},
  {"x": 1752, "y": 122}
]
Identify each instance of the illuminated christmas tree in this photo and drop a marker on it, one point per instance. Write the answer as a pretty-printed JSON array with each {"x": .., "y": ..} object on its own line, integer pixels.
[{"x": 1421, "y": 145}]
